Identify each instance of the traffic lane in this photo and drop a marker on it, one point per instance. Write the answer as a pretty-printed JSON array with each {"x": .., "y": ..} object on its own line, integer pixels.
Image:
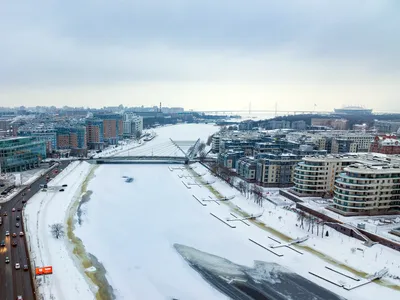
[
  {"x": 24, "y": 279},
  {"x": 6, "y": 274}
]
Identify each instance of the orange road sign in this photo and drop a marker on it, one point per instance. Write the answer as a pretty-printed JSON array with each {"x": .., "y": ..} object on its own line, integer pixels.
[{"x": 44, "y": 270}]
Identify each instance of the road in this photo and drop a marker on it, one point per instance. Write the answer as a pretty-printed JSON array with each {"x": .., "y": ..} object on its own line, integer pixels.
[{"x": 17, "y": 282}]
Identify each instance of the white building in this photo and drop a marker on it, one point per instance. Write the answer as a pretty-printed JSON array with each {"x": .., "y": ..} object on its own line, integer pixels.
[
  {"x": 368, "y": 188},
  {"x": 315, "y": 175},
  {"x": 132, "y": 125}
]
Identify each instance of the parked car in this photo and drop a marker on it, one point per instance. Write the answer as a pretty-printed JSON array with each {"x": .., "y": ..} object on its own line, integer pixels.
[
  {"x": 25, "y": 267},
  {"x": 24, "y": 201},
  {"x": 7, "y": 260},
  {"x": 61, "y": 190},
  {"x": 21, "y": 234},
  {"x": 17, "y": 266},
  {"x": 2, "y": 244},
  {"x": 64, "y": 185}
]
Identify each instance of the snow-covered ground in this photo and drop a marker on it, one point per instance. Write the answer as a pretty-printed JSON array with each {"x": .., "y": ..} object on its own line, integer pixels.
[
  {"x": 131, "y": 229},
  {"x": 141, "y": 221},
  {"x": 43, "y": 210}
]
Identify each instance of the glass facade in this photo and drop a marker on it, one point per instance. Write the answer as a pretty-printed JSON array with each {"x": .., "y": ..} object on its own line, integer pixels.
[{"x": 22, "y": 153}]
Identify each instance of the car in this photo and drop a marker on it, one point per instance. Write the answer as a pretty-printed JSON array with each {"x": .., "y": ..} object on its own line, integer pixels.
[
  {"x": 2, "y": 244},
  {"x": 14, "y": 244},
  {"x": 17, "y": 266},
  {"x": 5, "y": 214},
  {"x": 23, "y": 201},
  {"x": 13, "y": 209},
  {"x": 64, "y": 185},
  {"x": 7, "y": 260},
  {"x": 19, "y": 298},
  {"x": 7, "y": 233},
  {"x": 21, "y": 234},
  {"x": 19, "y": 208},
  {"x": 61, "y": 190},
  {"x": 25, "y": 267},
  {"x": 14, "y": 235},
  {"x": 18, "y": 218},
  {"x": 16, "y": 224}
]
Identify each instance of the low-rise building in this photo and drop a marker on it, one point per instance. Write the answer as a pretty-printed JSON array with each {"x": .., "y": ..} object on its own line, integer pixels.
[
  {"x": 386, "y": 144},
  {"x": 21, "y": 153},
  {"x": 368, "y": 188}
]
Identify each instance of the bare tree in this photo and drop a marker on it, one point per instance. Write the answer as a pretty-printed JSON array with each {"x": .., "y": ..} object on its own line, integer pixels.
[
  {"x": 258, "y": 194},
  {"x": 242, "y": 187},
  {"x": 57, "y": 230},
  {"x": 202, "y": 146},
  {"x": 202, "y": 155},
  {"x": 138, "y": 134},
  {"x": 209, "y": 140}
]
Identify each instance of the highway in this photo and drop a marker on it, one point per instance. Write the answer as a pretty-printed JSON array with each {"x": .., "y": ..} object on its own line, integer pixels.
[{"x": 14, "y": 282}]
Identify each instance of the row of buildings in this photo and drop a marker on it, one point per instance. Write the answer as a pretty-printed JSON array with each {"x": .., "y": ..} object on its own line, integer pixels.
[
  {"x": 359, "y": 182},
  {"x": 51, "y": 137}
]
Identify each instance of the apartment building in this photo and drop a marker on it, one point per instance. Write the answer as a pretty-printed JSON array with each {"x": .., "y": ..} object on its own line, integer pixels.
[
  {"x": 95, "y": 134},
  {"x": 72, "y": 138},
  {"x": 215, "y": 140},
  {"x": 315, "y": 176},
  {"x": 246, "y": 168},
  {"x": 112, "y": 127},
  {"x": 229, "y": 158},
  {"x": 276, "y": 170},
  {"x": 335, "y": 141},
  {"x": 132, "y": 125},
  {"x": 368, "y": 188}
]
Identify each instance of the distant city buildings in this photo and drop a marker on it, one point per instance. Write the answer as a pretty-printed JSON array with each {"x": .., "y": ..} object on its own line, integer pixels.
[
  {"x": 112, "y": 127},
  {"x": 132, "y": 125},
  {"x": 95, "y": 134}
]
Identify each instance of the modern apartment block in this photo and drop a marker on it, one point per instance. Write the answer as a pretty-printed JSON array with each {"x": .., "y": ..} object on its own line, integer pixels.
[
  {"x": 72, "y": 138},
  {"x": 276, "y": 170},
  {"x": 215, "y": 142},
  {"x": 343, "y": 141},
  {"x": 386, "y": 144},
  {"x": 315, "y": 176},
  {"x": 229, "y": 158},
  {"x": 95, "y": 134},
  {"x": 132, "y": 125},
  {"x": 246, "y": 167},
  {"x": 112, "y": 127},
  {"x": 21, "y": 153},
  {"x": 368, "y": 188}
]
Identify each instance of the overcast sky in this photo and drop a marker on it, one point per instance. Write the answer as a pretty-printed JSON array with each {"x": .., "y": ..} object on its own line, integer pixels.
[{"x": 208, "y": 54}]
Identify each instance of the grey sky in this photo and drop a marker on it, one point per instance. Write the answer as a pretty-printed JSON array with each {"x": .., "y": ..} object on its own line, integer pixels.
[{"x": 201, "y": 54}]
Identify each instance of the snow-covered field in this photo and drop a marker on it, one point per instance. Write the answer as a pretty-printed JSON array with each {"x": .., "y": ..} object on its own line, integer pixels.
[{"x": 131, "y": 229}]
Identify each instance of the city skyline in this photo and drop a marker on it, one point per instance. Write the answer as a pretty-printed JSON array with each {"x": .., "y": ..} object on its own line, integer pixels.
[{"x": 201, "y": 55}]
